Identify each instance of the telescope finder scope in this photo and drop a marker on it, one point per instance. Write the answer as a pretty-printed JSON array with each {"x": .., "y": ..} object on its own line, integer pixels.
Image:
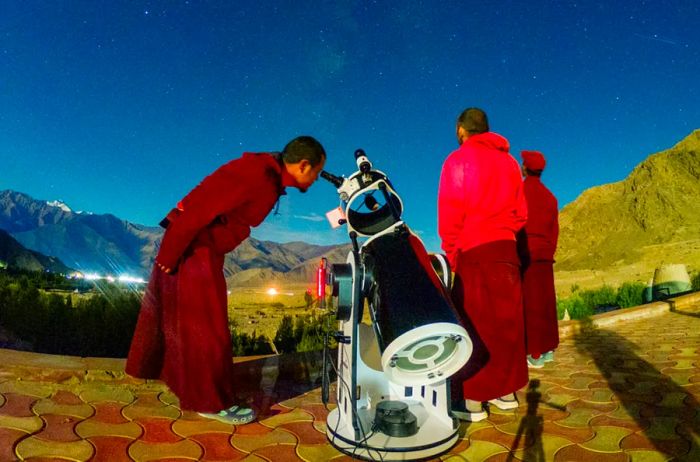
[{"x": 363, "y": 163}]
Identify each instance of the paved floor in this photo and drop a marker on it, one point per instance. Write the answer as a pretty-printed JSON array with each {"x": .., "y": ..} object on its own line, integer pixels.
[{"x": 626, "y": 392}]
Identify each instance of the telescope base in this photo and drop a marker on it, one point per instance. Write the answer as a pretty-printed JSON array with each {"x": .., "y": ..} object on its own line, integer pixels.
[{"x": 434, "y": 437}]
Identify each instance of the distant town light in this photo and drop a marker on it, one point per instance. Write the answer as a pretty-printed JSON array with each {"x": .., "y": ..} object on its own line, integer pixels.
[{"x": 272, "y": 291}]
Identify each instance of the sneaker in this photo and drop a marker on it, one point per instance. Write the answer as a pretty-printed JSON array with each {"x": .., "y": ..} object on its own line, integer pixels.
[
  {"x": 506, "y": 402},
  {"x": 549, "y": 356},
  {"x": 469, "y": 410},
  {"x": 535, "y": 363},
  {"x": 235, "y": 415}
]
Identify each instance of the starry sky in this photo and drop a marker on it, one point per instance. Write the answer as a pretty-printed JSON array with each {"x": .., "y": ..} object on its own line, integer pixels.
[{"x": 123, "y": 106}]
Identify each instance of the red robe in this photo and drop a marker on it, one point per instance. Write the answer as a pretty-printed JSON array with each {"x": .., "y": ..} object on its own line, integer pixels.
[
  {"x": 182, "y": 335},
  {"x": 481, "y": 207},
  {"x": 537, "y": 243}
]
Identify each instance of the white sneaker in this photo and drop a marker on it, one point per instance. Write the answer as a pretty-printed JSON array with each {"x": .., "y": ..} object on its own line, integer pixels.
[
  {"x": 235, "y": 415},
  {"x": 470, "y": 411},
  {"x": 506, "y": 402}
]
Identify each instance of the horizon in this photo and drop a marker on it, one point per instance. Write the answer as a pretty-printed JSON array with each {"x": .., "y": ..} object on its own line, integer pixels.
[{"x": 123, "y": 109}]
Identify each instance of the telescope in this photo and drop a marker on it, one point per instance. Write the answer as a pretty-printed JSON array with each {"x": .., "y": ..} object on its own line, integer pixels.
[{"x": 392, "y": 395}]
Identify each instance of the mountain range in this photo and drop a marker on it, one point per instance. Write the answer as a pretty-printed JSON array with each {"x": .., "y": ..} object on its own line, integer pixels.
[
  {"x": 106, "y": 244},
  {"x": 609, "y": 234}
]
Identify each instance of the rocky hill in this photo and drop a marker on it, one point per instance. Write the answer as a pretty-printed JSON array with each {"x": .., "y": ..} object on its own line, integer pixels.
[
  {"x": 650, "y": 218},
  {"x": 15, "y": 255}
]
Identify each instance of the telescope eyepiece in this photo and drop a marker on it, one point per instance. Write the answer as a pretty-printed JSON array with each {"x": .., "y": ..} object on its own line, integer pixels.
[{"x": 335, "y": 180}]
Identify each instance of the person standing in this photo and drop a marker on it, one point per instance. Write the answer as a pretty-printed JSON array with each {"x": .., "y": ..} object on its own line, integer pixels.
[
  {"x": 537, "y": 243},
  {"x": 182, "y": 335},
  {"x": 481, "y": 207}
]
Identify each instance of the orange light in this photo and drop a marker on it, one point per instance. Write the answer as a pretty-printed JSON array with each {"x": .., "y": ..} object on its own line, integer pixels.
[{"x": 272, "y": 291}]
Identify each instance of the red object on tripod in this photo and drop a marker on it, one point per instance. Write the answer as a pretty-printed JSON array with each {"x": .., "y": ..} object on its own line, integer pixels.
[{"x": 321, "y": 283}]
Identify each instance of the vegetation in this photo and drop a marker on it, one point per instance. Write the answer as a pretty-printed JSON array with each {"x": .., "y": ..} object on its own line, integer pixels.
[
  {"x": 584, "y": 303},
  {"x": 695, "y": 281},
  {"x": 56, "y": 322},
  {"x": 57, "y": 315}
]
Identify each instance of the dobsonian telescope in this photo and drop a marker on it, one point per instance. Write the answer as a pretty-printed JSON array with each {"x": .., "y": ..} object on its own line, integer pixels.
[{"x": 393, "y": 398}]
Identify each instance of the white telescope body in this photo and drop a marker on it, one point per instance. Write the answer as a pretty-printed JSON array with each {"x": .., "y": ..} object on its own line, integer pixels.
[{"x": 393, "y": 397}]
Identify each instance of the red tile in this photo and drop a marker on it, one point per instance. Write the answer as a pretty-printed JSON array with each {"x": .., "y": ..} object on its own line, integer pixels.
[
  {"x": 493, "y": 435},
  {"x": 109, "y": 412},
  {"x": 217, "y": 446},
  {"x": 576, "y": 452},
  {"x": 254, "y": 428},
  {"x": 319, "y": 411},
  {"x": 158, "y": 431},
  {"x": 18, "y": 405},
  {"x": 59, "y": 428},
  {"x": 305, "y": 432},
  {"x": 279, "y": 453},
  {"x": 9, "y": 437},
  {"x": 66, "y": 397},
  {"x": 110, "y": 449}
]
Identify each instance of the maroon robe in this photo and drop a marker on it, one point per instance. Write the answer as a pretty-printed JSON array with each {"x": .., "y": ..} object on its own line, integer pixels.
[
  {"x": 487, "y": 285},
  {"x": 182, "y": 336},
  {"x": 536, "y": 245}
]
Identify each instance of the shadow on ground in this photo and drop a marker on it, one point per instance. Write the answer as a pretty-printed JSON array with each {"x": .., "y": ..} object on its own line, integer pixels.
[
  {"x": 267, "y": 381},
  {"x": 659, "y": 406}
]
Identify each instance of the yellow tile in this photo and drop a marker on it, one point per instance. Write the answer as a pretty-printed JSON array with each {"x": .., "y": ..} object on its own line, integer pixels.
[
  {"x": 26, "y": 424},
  {"x": 187, "y": 428},
  {"x": 91, "y": 427},
  {"x": 663, "y": 428},
  {"x": 316, "y": 452},
  {"x": 22, "y": 387},
  {"x": 133, "y": 411},
  {"x": 296, "y": 415},
  {"x": 606, "y": 439},
  {"x": 185, "y": 449},
  {"x": 478, "y": 450},
  {"x": 47, "y": 406},
  {"x": 168, "y": 397},
  {"x": 96, "y": 393},
  {"x": 249, "y": 443},
  {"x": 35, "y": 447},
  {"x": 648, "y": 456}
]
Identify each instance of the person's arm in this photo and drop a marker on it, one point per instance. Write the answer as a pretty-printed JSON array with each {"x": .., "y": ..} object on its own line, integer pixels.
[
  {"x": 223, "y": 190},
  {"x": 555, "y": 225},
  {"x": 520, "y": 205},
  {"x": 451, "y": 207}
]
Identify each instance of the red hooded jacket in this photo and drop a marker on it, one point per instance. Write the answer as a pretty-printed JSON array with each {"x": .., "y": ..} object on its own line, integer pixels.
[{"x": 480, "y": 197}]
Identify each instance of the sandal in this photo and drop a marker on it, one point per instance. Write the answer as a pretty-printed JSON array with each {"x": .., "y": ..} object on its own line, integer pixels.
[{"x": 235, "y": 415}]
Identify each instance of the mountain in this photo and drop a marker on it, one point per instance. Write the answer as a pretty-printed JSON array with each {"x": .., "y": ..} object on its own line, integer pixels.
[
  {"x": 109, "y": 245},
  {"x": 87, "y": 242},
  {"x": 14, "y": 254},
  {"x": 650, "y": 218},
  {"x": 304, "y": 271}
]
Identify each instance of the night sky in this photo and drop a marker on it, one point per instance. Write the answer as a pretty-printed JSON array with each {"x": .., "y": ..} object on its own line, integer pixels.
[{"x": 123, "y": 106}]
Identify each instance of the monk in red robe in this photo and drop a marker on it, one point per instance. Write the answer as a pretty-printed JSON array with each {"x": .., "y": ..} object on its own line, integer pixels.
[
  {"x": 537, "y": 242},
  {"x": 481, "y": 207},
  {"x": 182, "y": 335}
]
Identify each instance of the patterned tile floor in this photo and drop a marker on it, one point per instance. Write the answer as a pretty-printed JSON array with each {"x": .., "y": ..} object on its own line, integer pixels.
[{"x": 626, "y": 392}]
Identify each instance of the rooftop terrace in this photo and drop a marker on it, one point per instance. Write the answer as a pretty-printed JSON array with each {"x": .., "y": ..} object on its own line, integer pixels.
[{"x": 624, "y": 387}]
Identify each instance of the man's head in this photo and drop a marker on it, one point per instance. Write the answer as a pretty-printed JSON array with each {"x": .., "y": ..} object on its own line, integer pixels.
[
  {"x": 472, "y": 121},
  {"x": 304, "y": 158},
  {"x": 533, "y": 163}
]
